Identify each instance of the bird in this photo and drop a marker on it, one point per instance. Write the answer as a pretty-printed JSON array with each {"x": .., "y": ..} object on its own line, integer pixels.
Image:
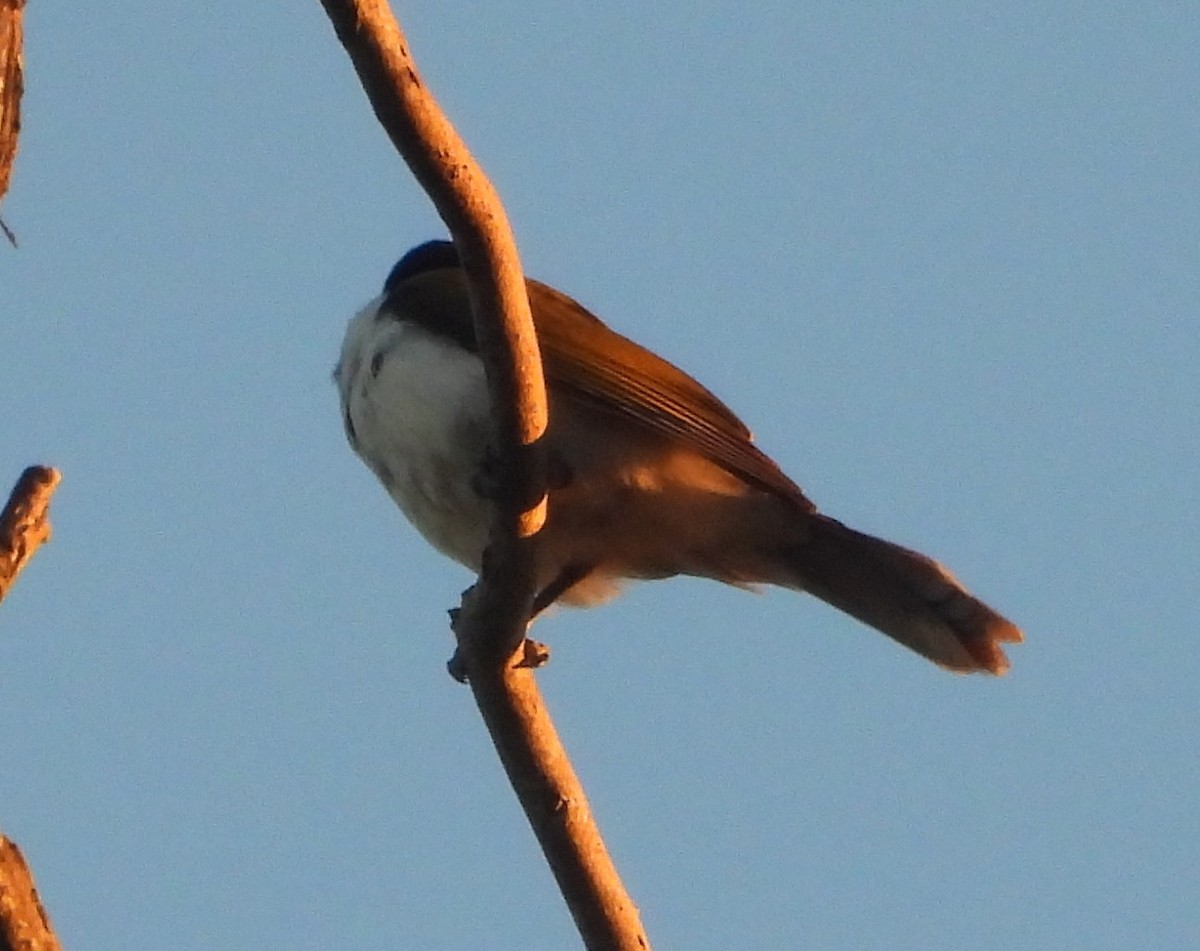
[{"x": 650, "y": 475}]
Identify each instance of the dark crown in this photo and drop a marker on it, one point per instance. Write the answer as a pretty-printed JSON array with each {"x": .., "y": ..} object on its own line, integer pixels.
[{"x": 430, "y": 256}]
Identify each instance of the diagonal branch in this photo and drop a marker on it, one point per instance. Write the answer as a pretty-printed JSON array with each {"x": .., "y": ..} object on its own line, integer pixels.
[
  {"x": 24, "y": 524},
  {"x": 12, "y": 84},
  {"x": 24, "y": 925},
  {"x": 491, "y": 626},
  {"x": 472, "y": 210}
]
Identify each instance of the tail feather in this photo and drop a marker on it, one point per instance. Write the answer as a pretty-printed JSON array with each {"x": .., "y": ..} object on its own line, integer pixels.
[{"x": 904, "y": 594}]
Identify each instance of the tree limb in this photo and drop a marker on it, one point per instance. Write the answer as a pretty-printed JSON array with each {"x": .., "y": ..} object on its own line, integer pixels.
[
  {"x": 472, "y": 211},
  {"x": 12, "y": 84},
  {"x": 491, "y": 626},
  {"x": 24, "y": 925},
  {"x": 24, "y": 523}
]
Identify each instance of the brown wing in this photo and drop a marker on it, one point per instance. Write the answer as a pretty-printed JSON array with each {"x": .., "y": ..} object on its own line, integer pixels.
[{"x": 586, "y": 358}]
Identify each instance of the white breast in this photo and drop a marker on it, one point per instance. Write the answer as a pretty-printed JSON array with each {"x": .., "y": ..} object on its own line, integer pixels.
[{"x": 416, "y": 411}]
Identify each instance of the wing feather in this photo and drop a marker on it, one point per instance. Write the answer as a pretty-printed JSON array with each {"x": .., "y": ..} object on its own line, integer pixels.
[{"x": 588, "y": 359}]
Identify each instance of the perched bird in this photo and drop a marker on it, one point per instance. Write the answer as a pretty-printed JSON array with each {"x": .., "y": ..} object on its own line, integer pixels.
[{"x": 651, "y": 475}]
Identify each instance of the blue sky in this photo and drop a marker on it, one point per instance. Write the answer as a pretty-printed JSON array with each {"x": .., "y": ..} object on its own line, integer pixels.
[{"x": 943, "y": 258}]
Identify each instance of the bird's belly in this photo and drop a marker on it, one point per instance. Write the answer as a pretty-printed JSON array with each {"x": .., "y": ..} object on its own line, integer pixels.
[
  {"x": 419, "y": 415},
  {"x": 441, "y": 505}
]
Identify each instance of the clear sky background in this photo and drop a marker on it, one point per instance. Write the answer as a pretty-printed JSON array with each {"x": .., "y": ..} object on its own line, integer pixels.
[{"x": 942, "y": 257}]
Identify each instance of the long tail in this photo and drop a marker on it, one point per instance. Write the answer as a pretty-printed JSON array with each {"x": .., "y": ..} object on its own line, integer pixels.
[{"x": 904, "y": 594}]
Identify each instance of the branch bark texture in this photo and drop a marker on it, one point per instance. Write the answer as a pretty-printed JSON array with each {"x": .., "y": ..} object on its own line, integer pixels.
[
  {"x": 24, "y": 523},
  {"x": 24, "y": 925},
  {"x": 12, "y": 85},
  {"x": 491, "y": 626}
]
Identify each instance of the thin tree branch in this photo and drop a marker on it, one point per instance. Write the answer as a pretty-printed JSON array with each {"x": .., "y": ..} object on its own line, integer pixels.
[
  {"x": 491, "y": 626},
  {"x": 469, "y": 205},
  {"x": 24, "y": 925},
  {"x": 24, "y": 523},
  {"x": 12, "y": 84}
]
